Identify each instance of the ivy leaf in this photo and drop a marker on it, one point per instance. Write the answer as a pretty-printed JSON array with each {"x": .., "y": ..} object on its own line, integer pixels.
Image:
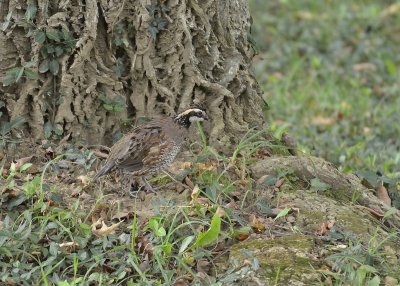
[
  {"x": 50, "y": 49},
  {"x": 30, "y": 74},
  {"x": 108, "y": 107},
  {"x": 19, "y": 74},
  {"x": 120, "y": 67},
  {"x": 7, "y": 22},
  {"x": 29, "y": 64},
  {"x": 54, "y": 67},
  {"x": 44, "y": 66},
  {"x": 65, "y": 35},
  {"x": 30, "y": 13},
  {"x": 153, "y": 32},
  {"x": 17, "y": 122},
  {"x": 58, "y": 130},
  {"x": 8, "y": 80},
  {"x": 5, "y": 127},
  {"x": 161, "y": 23},
  {"x": 40, "y": 37},
  {"x": 53, "y": 35},
  {"x": 48, "y": 129},
  {"x": 152, "y": 9},
  {"x": 59, "y": 51}
]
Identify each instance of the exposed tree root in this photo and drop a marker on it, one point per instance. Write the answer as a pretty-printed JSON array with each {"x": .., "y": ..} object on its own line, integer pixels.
[{"x": 202, "y": 55}]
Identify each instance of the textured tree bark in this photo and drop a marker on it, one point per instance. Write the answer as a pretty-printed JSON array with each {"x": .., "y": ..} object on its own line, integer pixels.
[{"x": 168, "y": 54}]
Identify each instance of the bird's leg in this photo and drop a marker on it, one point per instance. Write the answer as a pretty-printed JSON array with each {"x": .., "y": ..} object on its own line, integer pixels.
[
  {"x": 173, "y": 179},
  {"x": 133, "y": 191},
  {"x": 148, "y": 186}
]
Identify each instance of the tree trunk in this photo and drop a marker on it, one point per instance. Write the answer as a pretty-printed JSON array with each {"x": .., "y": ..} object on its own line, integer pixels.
[{"x": 130, "y": 59}]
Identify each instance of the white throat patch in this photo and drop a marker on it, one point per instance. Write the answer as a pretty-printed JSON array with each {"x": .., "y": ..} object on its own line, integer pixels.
[{"x": 195, "y": 118}]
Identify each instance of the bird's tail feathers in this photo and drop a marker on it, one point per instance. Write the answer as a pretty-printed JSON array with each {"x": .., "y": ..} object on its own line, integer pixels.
[{"x": 106, "y": 168}]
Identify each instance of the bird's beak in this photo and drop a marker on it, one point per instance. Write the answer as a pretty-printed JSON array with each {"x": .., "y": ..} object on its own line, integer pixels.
[{"x": 206, "y": 117}]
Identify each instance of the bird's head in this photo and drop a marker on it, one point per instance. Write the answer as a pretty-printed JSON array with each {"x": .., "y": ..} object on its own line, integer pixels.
[{"x": 191, "y": 115}]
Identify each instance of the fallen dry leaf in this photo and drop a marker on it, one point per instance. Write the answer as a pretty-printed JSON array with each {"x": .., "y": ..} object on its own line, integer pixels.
[
  {"x": 391, "y": 10},
  {"x": 33, "y": 170},
  {"x": 262, "y": 153},
  {"x": 20, "y": 162},
  {"x": 232, "y": 205},
  {"x": 123, "y": 215},
  {"x": 256, "y": 224},
  {"x": 12, "y": 193},
  {"x": 108, "y": 268},
  {"x": 10, "y": 282},
  {"x": 278, "y": 185},
  {"x": 190, "y": 184},
  {"x": 49, "y": 153},
  {"x": 210, "y": 166},
  {"x": 382, "y": 194},
  {"x": 325, "y": 227},
  {"x": 194, "y": 195},
  {"x": 100, "y": 212},
  {"x": 364, "y": 67},
  {"x": 390, "y": 281},
  {"x": 306, "y": 15},
  {"x": 195, "y": 192},
  {"x": 246, "y": 261},
  {"x": 182, "y": 165},
  {"x": 104, "y": 229},
  {"x": 145, "y": 265},
  {"x": 201, "y": 201},
  {"x": 69, "y": 245},
  {"x": 181, "y": 282},
  {"x": 83, "y": 180},
  {"x": 331, "y": 223},
  {"x": 324, "y": 121},
  {"x": 290, "y": 219},
  {"x": 203, "y": 265},
  {"x": 279, "y": 182},
  {"x": 242, "y": 236},
  {"x": 144, "y": 245},
  {"x": 220, "y": 212},
  {"x": 372, "y": 211}
]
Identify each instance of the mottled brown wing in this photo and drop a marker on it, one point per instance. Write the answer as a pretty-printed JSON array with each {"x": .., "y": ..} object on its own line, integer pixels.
[
  {"x": 139, "y": 150},
  {"x": 147, "y": 145}
]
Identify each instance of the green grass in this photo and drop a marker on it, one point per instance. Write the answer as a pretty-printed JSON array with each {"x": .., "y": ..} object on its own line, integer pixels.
[
  {"x": 309, "y": 67},
  {"x": 49, "y": 238}
]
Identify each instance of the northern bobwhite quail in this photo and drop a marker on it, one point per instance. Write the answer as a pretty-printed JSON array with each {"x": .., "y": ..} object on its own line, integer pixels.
[{"x": 152, "y": 147}]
